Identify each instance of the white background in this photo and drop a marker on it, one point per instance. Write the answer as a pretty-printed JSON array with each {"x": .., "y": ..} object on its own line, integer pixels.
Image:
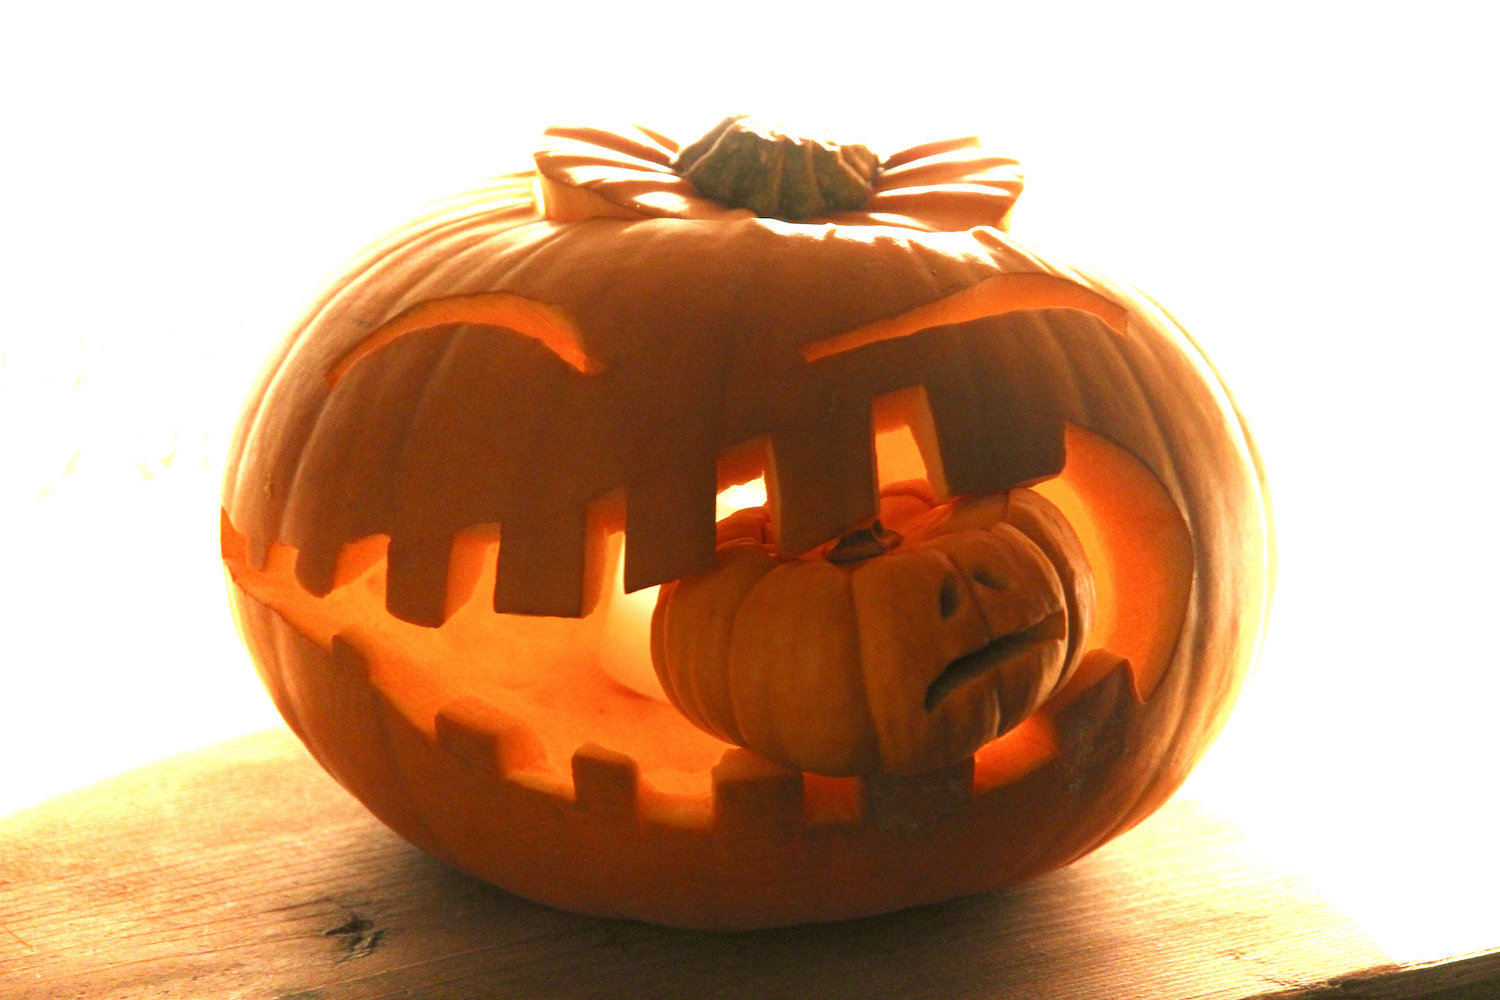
[{"x": 1310, "y": 187}]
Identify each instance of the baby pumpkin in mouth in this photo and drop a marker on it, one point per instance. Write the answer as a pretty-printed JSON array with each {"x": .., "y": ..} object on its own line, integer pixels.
[{"x": 901, "y": 647}]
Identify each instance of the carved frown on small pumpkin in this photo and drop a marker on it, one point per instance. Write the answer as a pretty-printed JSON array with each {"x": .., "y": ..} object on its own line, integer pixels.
[{"x": 435, "y": 472}]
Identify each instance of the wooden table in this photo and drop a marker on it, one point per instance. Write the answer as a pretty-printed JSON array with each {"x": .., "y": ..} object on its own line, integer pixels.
[{"x": 242, "y": 871}]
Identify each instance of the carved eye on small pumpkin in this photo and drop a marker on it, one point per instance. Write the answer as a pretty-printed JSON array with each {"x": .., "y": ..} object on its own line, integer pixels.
[{"x": 948, "y": 597}]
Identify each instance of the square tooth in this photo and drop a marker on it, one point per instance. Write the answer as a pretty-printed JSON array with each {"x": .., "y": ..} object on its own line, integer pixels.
[
  {"x": 995, "y": 421},
  {"x": 416, "y": 585},
  {"x": 606, "y": 782},
  {"x": 912, "y": 802},
  {"x": 669, "y": 525},
  {"x": 824, "y": 481},
  {"x": 754, "y": 795},
  {"x": 347, "y": 655},
  {"x": 481, "y": 735},
  {"x": 542, "y": 565},
  {"x": 317, "y": 565}
]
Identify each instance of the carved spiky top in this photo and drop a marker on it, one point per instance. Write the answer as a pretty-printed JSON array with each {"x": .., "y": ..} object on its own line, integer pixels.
[
  {"x": 635, "y": 172},
  {"x": 745, "y": 162}
]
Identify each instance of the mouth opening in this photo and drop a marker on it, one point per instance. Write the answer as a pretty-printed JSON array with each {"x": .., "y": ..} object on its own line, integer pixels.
[{"x": 993, "y": 653}]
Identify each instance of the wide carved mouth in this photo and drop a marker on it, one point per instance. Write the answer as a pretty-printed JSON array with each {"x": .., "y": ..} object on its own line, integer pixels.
[{"x": 992, "y": 654}]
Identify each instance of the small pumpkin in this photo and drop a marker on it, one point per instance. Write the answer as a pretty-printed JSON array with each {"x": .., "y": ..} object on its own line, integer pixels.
[
  {"x": 900, "y": 648},
  {"x": 458, "y": 480}
]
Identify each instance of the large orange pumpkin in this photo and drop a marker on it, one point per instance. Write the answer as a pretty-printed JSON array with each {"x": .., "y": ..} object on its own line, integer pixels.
[{"x": 427, "y": 494}]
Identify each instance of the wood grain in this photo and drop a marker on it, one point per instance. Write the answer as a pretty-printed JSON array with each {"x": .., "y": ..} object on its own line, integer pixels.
[
  {"x": 1468, "y": 977},
  {"x": 242, "y": 870}
]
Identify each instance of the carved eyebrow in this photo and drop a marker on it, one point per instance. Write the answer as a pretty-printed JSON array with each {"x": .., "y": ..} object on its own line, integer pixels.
[
  {"x": 993, "y": 296},
  {"x": 538, "y": 320}
]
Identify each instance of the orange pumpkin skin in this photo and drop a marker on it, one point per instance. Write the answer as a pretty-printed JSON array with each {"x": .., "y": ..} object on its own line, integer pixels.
[{"x": 490, "y": 366}]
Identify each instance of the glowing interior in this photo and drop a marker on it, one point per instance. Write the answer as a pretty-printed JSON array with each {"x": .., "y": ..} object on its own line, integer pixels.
[
  {"x": 1138, "y": 546},
  {"x": 625, "y": 641},
  {"x": 551, "y": 672}
]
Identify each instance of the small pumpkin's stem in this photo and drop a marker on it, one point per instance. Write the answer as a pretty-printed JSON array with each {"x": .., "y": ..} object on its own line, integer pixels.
[
  {"x": 743, "y": 162},
  {"x": 864, "y": 543}
]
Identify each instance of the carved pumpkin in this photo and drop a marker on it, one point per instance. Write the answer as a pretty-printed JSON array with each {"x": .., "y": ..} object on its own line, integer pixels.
[
  {"x": 904, "y": 659},
  {"x": 433, "y": 481}
]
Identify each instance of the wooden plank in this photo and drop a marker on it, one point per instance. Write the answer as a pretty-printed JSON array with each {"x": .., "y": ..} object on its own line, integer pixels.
[
  {"x": 242, "y": 870},
  {"x": 1470, "y": 977}
]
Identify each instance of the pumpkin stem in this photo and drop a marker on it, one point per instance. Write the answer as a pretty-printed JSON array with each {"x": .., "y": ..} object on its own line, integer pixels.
[
  {"x": 743, "y": 162},
  {"x": 864, "y": 543}
]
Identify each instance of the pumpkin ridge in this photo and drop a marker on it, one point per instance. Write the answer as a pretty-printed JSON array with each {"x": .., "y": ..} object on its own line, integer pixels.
[
  {"x": 268, "y": 525},
  {"x": 1252, "y": 447},
  {"x": 731, "y": 733},
  {"x": 454, "y": 343},
  {"x": 417, "y": 245},
  {"x": 1180, "y": 728},
  {"x": 316, "y": 557}
]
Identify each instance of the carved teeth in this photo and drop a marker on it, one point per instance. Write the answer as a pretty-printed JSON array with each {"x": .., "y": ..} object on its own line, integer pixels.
[
  {"x": 346, "y": 654},
  {"x": 482, "y": 736},
  {"x": 913, "y": 802},
  {"x": 669, "y": 520},
  {"x": 416, "y": 587},
  {"x": 606, "y": 783},
  {"x": 752, "y": 795}
]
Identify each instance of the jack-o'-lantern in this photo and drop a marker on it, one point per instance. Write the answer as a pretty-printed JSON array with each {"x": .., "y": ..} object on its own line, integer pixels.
[{"x": 1011, "y": 565}]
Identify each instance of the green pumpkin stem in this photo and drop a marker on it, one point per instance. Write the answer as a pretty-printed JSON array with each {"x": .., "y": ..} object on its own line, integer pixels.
[{"x": 743, "y": 162}]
